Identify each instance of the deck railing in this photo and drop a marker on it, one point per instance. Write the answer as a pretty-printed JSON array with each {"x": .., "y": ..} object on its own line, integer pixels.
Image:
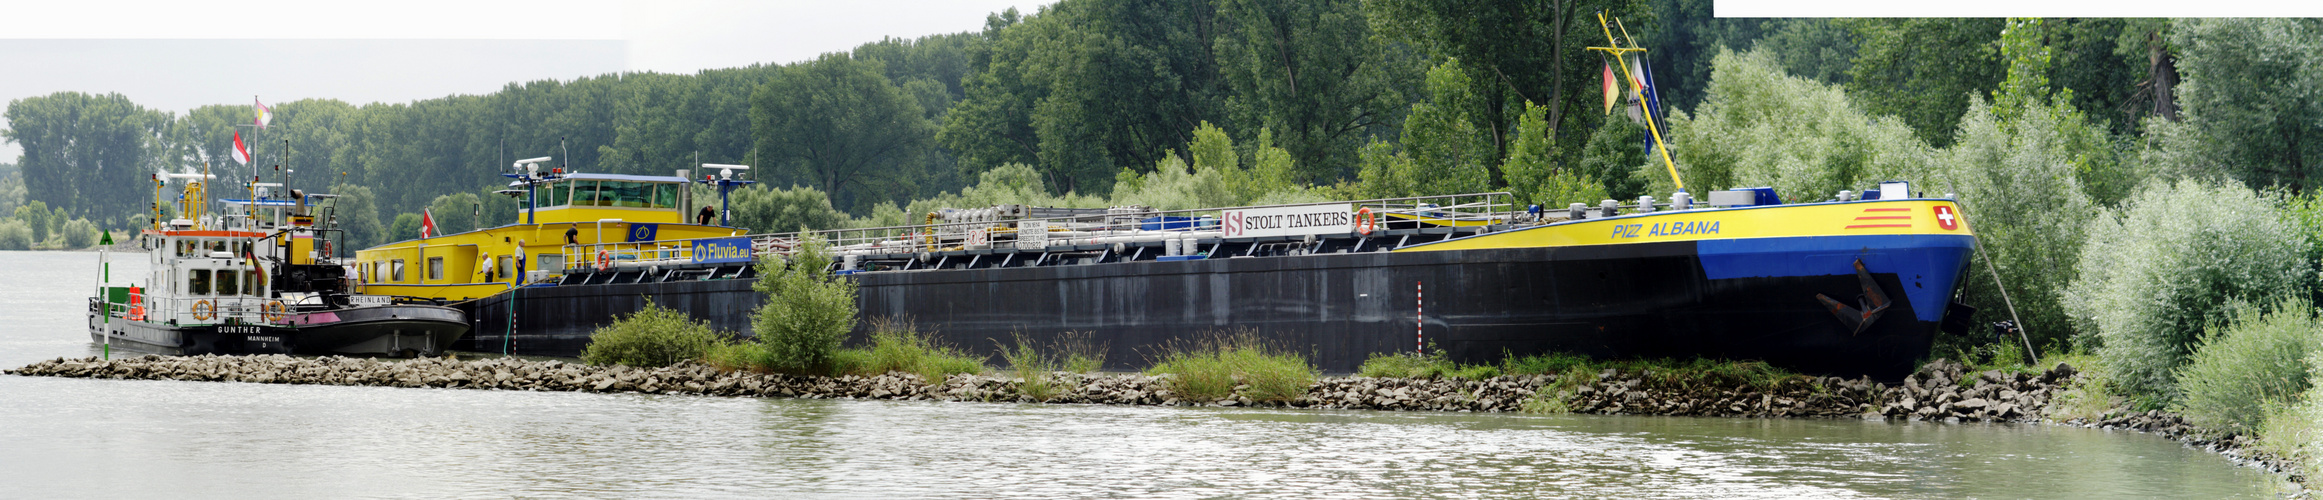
[{"x": 969, "y": 230}]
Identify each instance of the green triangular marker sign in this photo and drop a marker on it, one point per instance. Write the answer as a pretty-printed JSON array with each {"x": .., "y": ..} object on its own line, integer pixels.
[{"x": 107, "y": 239}]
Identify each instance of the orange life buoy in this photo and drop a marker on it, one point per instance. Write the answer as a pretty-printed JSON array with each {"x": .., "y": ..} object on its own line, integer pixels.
[
  {"x": 204, "y": 310},
  {"x": 275, "y": 311},
  {"x": 604, "y": 259},
  {"x": 1363, "y": 221}
]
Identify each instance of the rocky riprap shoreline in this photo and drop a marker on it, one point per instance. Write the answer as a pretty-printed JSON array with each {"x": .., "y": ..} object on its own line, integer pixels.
[{"x": 1940, "y": 391}]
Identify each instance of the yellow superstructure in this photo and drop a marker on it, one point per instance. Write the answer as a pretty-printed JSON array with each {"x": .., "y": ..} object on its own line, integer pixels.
[{"x": 578, "y": 216}]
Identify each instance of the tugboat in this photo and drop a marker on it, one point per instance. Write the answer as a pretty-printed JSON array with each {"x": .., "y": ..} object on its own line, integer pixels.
[
  {"x": 314, "y": 284},
  {"x": 205, "y": 294},
  {"x": 257, "y": 279}
]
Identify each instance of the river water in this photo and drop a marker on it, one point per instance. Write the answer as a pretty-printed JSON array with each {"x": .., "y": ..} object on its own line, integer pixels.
[{"x": 72, "y": 438}]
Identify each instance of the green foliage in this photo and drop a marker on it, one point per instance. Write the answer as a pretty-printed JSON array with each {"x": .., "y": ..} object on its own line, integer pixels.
[
  {"x": 1543, "y": 364},
  {"x": 1084, "y": 88},
  {"x": 1410, "y": 365},
  {"x": 2018, "y": 191},
  {"x": 833, "y": 122},
  {"x": 1449, "y": 150},
  {"x": 808, "y": 311},
  {"x": 899, "y": 347},
  {"x": 78, "y": 234},
  {"x": 1032, "y": 369},
  {"x": 770, "y": 210},
  {"x": 2250, "y": 367},
  {"x": 2172, "y": 260},
  {"x": 36, "y": 216},
  {"x": 499, "y": 209},
  {"x": 1444, "y": 151},
  {"x": 1312, "y": 73},
  {"x": 1557, "y": 396},
  {"x": 406, "y": 227},
  {"x": 1761, "y": 127},
  {"x": 1227, "y": 365},
  {"x": 2252, "y": 94},
  {"x": 654, "y": 336},
  {"x": 86, "y": 155},
  {"x": 1512, "y": 51},
  {"x": 15, "y": 235},
  {"x": 357, "y": 209},
  {"x": 736, "y": 356},
  {"x": 1924, "y": 70},
  {"x": 1532, "y": 170},
  {"x": 455, "y": 213},
  {"x": 1822, "y": 50},
  {"x": 1615, "y": 156},
  {"x": 2295, "y": 432}
]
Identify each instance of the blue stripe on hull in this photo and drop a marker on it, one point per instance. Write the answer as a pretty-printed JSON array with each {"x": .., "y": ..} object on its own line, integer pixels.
[{"x": 1928, "y": 265}]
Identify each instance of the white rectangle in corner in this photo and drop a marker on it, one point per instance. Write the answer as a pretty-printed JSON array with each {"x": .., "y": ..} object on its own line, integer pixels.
[{"x": 1288, "y": 221}]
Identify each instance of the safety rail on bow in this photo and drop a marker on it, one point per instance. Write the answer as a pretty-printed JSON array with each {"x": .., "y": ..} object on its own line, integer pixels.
[{"x": 1018, "y": 228}]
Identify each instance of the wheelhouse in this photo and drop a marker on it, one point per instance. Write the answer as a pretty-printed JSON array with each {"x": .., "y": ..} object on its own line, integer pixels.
[{"x": 595, "y": 197}]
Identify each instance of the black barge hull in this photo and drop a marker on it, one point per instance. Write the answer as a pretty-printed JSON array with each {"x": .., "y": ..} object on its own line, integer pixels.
[{"x": 1647, "y": 300}]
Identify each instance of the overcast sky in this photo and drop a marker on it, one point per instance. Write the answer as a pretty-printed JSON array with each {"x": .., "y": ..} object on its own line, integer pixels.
[{"x": 176, "y": 55}]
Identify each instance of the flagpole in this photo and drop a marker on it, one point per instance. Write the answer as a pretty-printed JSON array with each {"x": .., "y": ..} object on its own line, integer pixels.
[{"x": 1618, "y": 51}]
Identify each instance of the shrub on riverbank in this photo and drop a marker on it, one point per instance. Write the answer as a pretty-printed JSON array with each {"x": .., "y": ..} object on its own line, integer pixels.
[
  {"x": 15, "y": 235},
  {"x": 2246, "y": 369},
  {"x": 1212, "y": 370},
  {"x": 2172, "y": 260},
  {"x": 651, "y": 337},
  {"x": 808, "y": 311}
]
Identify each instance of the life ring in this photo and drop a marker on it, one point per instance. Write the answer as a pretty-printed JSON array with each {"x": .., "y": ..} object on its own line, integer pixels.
[
  {"x": 204, "y": 310},
  {"x": 604, "y": 259},
  {"x": 275, "y": 311},
  {"x": 137, "y": 312},
  {"x": 1364, "y": 221}
]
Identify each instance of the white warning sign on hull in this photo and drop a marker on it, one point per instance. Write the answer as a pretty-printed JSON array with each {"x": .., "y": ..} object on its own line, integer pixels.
[{"x": 1337, "y": 218}]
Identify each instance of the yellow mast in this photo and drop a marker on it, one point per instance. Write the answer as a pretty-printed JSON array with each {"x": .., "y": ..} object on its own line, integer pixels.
[{"x": 1650, "y": 126}]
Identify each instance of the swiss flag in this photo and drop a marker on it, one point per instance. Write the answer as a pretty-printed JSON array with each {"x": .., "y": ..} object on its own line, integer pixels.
[
  {"x": 1946, "y": 218},
  {"x": 427, "y": 223}
]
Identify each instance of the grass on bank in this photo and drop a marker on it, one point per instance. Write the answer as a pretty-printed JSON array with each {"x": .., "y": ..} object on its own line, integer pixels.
[
  {"x": 895, "y": 347},
  {"x": 1075, "y": 352},
  {"x": 1214, "y": 368}
]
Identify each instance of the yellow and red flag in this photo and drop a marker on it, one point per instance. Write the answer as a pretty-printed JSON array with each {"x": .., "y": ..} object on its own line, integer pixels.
[{"x": 1610, "y": 93}]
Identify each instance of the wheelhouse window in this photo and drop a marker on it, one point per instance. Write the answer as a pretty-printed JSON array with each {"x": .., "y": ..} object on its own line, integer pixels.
[
  {"x": 585, "y": 194},
  {"x": 395, "y": 271},
  {"x": 253, "y": 283},
  {"x": 666, "y": 195},
  {"x": 198, "y": 282},
  {"x": 624, "y": 194},
  {"x": 227, "y": 282},
  {"x": 557, "y": 195},
  {"x": 435, "y": 268}
]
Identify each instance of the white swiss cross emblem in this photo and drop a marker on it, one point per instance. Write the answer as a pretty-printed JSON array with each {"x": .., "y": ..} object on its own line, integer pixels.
[{"x": 1946, "y": 219}]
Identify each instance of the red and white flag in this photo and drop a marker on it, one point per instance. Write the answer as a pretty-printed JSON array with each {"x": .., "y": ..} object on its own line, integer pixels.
[
  {"x": 265, "y": 114},
  {"x": 427, "y": 223},
  {"x": 241, "y": 152}
]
